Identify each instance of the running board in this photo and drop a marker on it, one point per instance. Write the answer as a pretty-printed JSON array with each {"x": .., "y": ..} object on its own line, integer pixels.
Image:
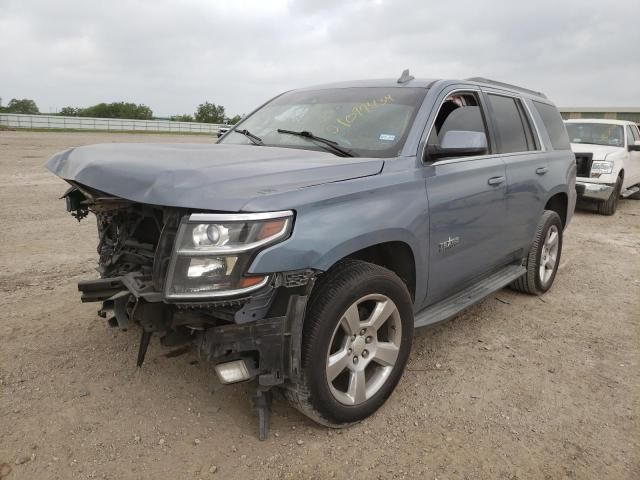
[
  {"x": 629, "y": 191},
  {"x": 452, "y": 306}
]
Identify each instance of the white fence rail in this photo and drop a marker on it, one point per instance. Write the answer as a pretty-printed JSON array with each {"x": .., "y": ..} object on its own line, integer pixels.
[{"x": 14, "y": 120}]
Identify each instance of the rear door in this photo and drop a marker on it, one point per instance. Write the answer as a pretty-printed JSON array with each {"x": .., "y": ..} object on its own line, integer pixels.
[
  {"x": 526, "y": 167},
  {"x": 466, "y": 201}
]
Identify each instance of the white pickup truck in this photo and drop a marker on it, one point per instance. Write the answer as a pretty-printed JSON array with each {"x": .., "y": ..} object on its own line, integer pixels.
[{"x": 608, "y": 159}]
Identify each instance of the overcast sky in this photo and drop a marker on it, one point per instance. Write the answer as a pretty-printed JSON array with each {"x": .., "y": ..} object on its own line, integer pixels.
[{"x": 172, "y": 55}]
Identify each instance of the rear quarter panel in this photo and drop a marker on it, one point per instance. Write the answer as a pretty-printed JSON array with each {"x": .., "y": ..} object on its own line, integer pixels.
[{"x": 561, "y": 177}]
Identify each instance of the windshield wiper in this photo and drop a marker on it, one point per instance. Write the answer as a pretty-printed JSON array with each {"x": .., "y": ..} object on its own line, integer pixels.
[
  {"x": 256, "y": 140},
  {"x": 325, "y": 141}
]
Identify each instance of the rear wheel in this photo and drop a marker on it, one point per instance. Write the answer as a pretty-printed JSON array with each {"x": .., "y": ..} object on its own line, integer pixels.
[
  {"x": 356, "y": 341},
  {"x": 608, "y": 207},
  {"x": 544, "y": 256}
]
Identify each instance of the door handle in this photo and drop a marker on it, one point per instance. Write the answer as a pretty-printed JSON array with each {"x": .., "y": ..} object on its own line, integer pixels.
[
  {"x": 541, "y": 170},
  {"x": 495, "y": 181}
]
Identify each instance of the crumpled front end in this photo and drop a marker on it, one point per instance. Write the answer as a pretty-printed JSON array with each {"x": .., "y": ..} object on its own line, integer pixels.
[{"x": 182, "y": 276}]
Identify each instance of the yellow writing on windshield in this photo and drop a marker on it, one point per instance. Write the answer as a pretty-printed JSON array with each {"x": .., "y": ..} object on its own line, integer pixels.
[{"x": 359, "y": 111}]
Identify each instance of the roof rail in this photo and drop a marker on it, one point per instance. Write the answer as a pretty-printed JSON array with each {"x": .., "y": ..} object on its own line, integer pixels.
[{"x": 504, "y": 85}]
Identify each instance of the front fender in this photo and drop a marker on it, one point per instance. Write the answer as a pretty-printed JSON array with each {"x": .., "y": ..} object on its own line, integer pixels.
[
  {"x": 366, "y": 240},
  {"x": 618, "y": 159},
  {"x": 355, "y": 215}
]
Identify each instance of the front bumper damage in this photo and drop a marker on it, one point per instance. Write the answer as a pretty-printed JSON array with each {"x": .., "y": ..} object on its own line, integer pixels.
[
  {"x": 261, "y": 325},
  {"x": 246, "y": 334},
  {"x": 264, "y": 330},
  {"x": 594, "y": 191}
]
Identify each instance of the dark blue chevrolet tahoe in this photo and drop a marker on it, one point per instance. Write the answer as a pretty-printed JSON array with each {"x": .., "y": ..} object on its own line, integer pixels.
[{"x": 303, "y": 248}]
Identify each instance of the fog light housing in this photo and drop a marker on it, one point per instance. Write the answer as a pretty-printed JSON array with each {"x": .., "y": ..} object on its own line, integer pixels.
[{"x": 232, "y": 372}]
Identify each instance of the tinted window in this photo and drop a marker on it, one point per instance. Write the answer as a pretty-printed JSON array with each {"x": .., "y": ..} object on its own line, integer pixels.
[
  {"x": 369, "y": 122},
  {"x": 636, "y": 133},
  {"x": 532, "y": 139},
  {"x": 513, "y": 127},
  {"x": 554, "y": 125}
]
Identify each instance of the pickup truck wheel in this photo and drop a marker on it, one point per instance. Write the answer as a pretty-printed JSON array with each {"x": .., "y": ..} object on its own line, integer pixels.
[
  {"x": 609, "y": 206},
  {"x": 356, "y": 341},
  {"x": 544, "y": 256}
]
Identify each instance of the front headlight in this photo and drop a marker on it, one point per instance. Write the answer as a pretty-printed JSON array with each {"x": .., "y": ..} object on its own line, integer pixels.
[
  {"x": 212, "y": 253},
  {"x": 601, "y": 167}
]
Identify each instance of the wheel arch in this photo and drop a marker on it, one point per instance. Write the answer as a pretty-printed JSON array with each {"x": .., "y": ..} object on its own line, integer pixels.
[
  {"x": 394, "y": 249},
  {"x": 559, "y": 203},
  {"x": 396, "y": 256}
]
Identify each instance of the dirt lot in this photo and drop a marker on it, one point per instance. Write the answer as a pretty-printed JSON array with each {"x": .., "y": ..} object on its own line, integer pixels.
[{"x": 518, "y": 387}]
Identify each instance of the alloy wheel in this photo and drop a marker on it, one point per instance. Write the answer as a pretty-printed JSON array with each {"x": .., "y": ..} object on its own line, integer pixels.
[
  {"x": 549, "y": 254},
  {"x": 363, "y": 350}
]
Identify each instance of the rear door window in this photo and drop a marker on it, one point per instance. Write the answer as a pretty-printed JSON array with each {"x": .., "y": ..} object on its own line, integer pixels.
[
  {"x": 554, "y": 125},
  {"x": 514, "y": 130}
]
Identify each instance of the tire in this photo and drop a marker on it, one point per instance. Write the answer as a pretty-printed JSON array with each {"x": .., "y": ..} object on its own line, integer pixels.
[
  {"x": 544, "y": 251},
  {"x": 608, "y": 207},
  {"x": 334, "y": 390}
]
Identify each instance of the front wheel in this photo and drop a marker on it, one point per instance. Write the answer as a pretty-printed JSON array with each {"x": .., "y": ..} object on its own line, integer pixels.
[
  {"x": 609, "y": 206},
  {"x": 544, "y": 256},
  {"x": 356, "y": 341}
]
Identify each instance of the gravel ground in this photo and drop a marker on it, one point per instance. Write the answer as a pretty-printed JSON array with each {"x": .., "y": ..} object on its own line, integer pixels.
[{"x": 518, "y": 387}]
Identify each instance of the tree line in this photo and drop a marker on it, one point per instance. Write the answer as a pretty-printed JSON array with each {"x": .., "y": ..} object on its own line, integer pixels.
[
  {"x": 206, "y": 112},
  {"x": 25, "y": 105}
]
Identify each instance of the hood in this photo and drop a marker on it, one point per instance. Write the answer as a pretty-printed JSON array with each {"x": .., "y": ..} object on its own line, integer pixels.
[
  {"x": 211, "y": 177},
  {"x": 599, "y": 151}
]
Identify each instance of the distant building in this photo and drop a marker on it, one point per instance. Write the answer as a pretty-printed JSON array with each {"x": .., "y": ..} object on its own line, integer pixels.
[{"x": 613, "y": 113}]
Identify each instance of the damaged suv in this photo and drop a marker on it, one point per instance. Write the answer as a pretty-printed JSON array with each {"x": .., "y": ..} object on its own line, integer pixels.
[{"x": 303, "y": 248}]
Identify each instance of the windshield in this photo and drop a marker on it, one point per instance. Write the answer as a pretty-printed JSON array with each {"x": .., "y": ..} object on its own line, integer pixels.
[
  {"x": 367, "y": 122},
  {"x": 596, "y": 134}
]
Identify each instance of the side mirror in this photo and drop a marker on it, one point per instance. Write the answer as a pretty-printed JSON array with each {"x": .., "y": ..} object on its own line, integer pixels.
[
  {"x": 458, "y": 143},
  {"x": 634, "y": 147}
]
